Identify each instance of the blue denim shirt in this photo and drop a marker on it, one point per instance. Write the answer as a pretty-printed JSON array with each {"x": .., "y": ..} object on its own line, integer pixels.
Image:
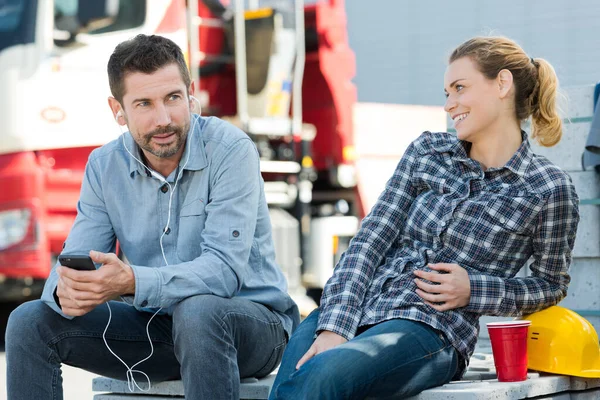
[{"x": 219, "y": 241}]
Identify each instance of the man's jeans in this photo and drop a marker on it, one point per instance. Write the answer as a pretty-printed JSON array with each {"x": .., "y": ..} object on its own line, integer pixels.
[
  {"x": 398, "y": 358},
  {"x": 209, "y": 342}
]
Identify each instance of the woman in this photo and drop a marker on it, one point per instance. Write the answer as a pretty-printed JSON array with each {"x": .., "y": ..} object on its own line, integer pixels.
[{"x": 458, "y": 219}]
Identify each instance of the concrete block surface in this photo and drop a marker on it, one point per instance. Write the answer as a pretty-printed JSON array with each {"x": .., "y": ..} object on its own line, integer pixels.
[
  {"x": 587, "y": 243},
  {"x": 250, "y": 389},
  {"x": 535, "y": 386}
]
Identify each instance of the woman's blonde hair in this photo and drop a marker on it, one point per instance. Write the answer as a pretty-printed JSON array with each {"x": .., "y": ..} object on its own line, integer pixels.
[{"x": 536, "y": 83}]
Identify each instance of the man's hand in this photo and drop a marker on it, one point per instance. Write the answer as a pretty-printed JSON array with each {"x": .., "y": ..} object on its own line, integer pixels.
[
  {"x": 453, "y": 291},
  {"x": 325, "y": 341},
  {"x": 79, "y": 292}
]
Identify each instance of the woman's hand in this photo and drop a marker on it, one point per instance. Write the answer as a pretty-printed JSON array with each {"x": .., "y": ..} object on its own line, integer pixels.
[
  {"x": 453, "y": 289},
  {"x": 325, "y": 341}
]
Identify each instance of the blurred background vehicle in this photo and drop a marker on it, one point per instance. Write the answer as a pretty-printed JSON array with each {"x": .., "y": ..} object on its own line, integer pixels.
[{"x": 280, "y": 70}]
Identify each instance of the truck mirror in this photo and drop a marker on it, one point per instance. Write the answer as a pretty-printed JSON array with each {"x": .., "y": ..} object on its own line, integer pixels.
[
  {"x": 76, "y": 16},
  {"x": 97, "y": 14}
]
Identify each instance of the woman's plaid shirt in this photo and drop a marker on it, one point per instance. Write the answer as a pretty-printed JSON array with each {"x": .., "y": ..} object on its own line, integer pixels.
[{"x": 440, "y": 206}]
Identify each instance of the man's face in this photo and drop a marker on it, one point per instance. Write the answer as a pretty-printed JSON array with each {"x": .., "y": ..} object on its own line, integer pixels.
[{"x": 157, "y": 111}]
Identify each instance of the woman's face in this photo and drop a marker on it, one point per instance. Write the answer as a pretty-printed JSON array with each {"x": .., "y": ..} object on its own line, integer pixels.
[{"x": 472, "y": 100}]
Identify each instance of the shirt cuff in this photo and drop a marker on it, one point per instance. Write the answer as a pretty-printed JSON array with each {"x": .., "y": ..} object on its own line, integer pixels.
[
  {"x": 487, "y": 293},
  {"x": 147, "y": 287},
  {"x": 48, "y": 295},
  {"x": 340, "y": 319}
]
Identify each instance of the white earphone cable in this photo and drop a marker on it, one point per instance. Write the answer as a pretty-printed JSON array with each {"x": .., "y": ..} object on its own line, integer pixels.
[{"x": 131, "y": 382}]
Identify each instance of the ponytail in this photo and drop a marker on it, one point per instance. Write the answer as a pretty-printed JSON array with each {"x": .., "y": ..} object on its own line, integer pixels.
[{"x": 545, "y": 121}]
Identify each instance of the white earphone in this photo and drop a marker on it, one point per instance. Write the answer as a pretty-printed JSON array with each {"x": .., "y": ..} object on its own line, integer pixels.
[
  {"x": 197, "y": 103},
  {"x": 131, "y": 382}
]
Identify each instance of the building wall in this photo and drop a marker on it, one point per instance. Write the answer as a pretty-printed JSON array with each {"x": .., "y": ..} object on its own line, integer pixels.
[
  {"x": 402, "y": 46},
  {"x": 584, "y": 291}
]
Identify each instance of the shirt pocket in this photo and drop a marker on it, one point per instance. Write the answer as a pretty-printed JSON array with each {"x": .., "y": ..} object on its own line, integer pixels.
[
  {"x": 191, "y": 225},
  {"x": 507, "y": 224}
]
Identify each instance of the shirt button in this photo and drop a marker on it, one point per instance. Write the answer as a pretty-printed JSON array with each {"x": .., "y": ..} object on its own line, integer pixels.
[
  {"x": 167, "y": 231},
  {"x": 144, "y": 303},
  {"x": 235, "y": 234},
  {"x": 487, "y": 244},
  {"x": 502, "y": 220},
  {"x": 164, "y": 188}
]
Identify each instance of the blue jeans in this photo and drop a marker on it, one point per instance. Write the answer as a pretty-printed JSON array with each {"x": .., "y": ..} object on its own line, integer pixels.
[
  {"x": 396, "y": 358},
  {"x": 209, "y": 342}
]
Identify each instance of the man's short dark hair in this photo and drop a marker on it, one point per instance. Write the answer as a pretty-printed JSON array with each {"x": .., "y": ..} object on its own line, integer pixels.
[{"x": 146, "y": 54}]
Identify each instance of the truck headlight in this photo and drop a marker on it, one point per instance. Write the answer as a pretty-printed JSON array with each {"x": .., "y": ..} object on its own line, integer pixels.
[{"x": 13, "y": 226}]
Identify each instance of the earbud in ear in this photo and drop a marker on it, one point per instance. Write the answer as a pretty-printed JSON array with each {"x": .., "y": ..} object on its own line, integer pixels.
[
  {"x": 119, "y": 115},
  {"x": 196, "y": 107}
]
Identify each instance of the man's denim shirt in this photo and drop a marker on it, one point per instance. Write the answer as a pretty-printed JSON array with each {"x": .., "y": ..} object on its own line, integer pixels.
[{"x": 219, "y": 238}]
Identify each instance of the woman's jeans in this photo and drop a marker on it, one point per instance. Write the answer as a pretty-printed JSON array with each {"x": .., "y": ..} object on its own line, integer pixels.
[
  {"x": 396, "y": 358},
  {"x": 209, "y": 342}
]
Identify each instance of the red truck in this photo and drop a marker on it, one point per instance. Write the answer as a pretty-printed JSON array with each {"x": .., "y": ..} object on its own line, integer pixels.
[{"x": 282, "y": 72}]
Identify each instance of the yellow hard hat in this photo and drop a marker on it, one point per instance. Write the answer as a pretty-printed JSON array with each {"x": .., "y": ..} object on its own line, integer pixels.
[{"x": 561, "y": 341}]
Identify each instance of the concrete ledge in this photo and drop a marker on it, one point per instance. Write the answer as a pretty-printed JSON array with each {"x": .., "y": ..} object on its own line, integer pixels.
[
  {"x": 250, "y": 389},
  {"x": 536, "y": 385},
  {"x": 480, "y": 383}
]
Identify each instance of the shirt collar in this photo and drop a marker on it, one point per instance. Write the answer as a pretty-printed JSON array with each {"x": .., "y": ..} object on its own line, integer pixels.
[
  {"x": 518, "y": 163},
  {"x": 193, "y": 149}
]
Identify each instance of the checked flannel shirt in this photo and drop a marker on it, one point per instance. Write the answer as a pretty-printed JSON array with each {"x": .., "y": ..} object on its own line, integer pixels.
[{"x": 440, "y": 206}]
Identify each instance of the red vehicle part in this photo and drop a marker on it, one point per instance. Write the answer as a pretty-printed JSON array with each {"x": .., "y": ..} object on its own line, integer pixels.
[
  {"x": 44, "y": 188},
  {"x": 328, "y": 92},
  {"x": 328, "y": 95}
]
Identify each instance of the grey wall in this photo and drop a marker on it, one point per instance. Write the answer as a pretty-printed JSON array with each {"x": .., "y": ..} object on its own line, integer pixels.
[
  {"x": 402, "y": 46},
  {"x": 584, "y": 291}
]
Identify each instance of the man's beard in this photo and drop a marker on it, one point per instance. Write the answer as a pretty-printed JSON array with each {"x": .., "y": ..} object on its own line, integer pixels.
[{"x": 165, "y": 150}]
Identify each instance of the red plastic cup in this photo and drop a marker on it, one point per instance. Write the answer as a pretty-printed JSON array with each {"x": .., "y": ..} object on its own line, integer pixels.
[{"x": 509, "y": 347}]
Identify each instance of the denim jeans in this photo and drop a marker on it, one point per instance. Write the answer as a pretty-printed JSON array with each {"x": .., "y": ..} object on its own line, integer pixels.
[
  {"x": 209, "y": 342},
  {"x": 396, "y": 358}
]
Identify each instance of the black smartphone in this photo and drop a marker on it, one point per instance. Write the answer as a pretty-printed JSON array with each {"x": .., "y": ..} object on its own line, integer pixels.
[{"x": 77, "y": 261}]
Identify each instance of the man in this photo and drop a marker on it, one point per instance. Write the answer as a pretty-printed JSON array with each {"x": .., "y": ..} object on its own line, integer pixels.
[{"x": 184, "y": 197}]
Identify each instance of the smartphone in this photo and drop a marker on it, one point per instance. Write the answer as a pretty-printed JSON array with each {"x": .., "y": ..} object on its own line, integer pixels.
[{"x": 77, "y": 261}]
